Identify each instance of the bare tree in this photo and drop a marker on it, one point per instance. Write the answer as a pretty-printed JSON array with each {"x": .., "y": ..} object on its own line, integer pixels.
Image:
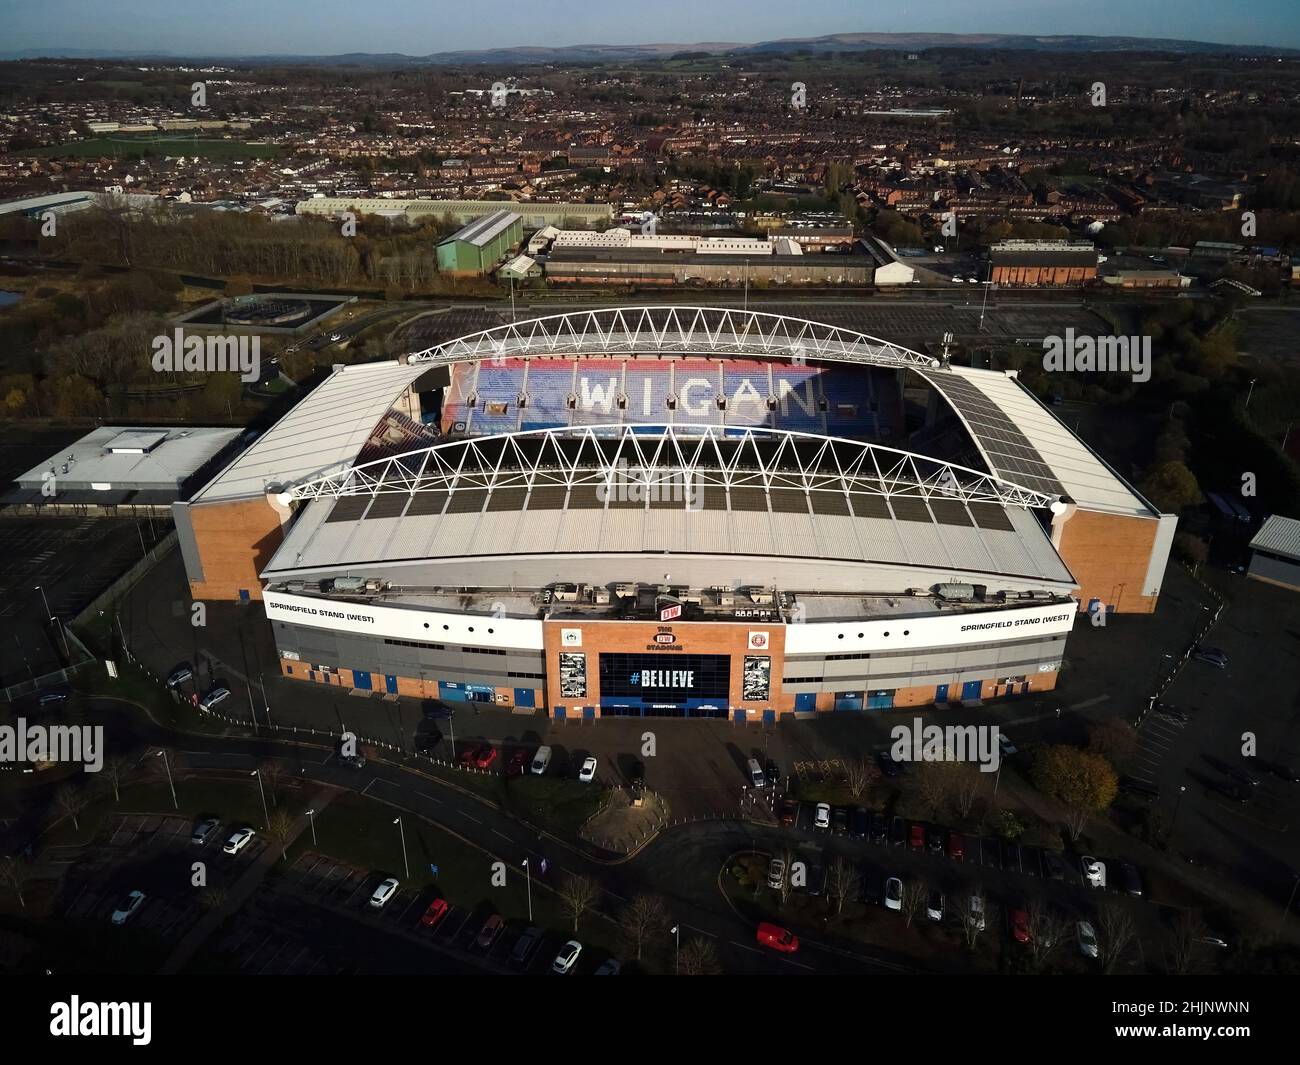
[
  {"x": 213, "y": 898},
  {"x": 71, "y": 800},
  {"x": 699, "y": 957},
  {"x": 577, "y": 895},
  {"x": 971, "y": 912},
  {"x": 843, "y": 883},
  {"x": 1076, "y": 820},
  {"x": 116, "y": 769},
  {"x": 933, "y": 784},
  {"x": 273, "y": 774},
  {"x": 967, "y": 783},
  {"x": 1185, "y": 951},
  {"x": 787, "y": 881},
  {"x": 1117, "y": 931},
  {"x": 641, "y": 919},
  {"x": 15, "y": 872},
  {"x": 914, "y": 894},
  {"x": 861, "y": 776},
  {"x": 280, "y": 829},
  {"x": 1047, "y": 930}
]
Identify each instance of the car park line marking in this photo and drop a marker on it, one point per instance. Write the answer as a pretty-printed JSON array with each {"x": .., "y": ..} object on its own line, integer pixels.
[
  {"x": 1089, "y": 702},
  {"x": 474, "y": 819},
  {"x": 503, "y": 835}
]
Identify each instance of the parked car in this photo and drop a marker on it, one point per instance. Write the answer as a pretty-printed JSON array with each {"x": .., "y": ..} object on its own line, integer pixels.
[
  {"x": 1212, "y": 656},
  {"x": 214, "y": 698},
  {"x": 354, "y": 761},
  {"x": 204, "y": 831},
  {"x": 609, "y": 967},
  {"x": 1010, "y": 856},
  {"x": 55, "y": 697},
  {"x": 893, "y": 893},
  {"x": 541, "y": 760},
  {"x": 1053, "y": 865},
  {"x": 789, "y": 811},
  {"x": 776, "y": 937},
  {"x": 1234, "y": 791},
  {"x": 859, "y": 822},
  {"x": 773, "y": 773},
  {"x": 934, "y": 840},
  {"x": 1005, "y": 745},
  {"x": 898, "y": 832},
  {"x": 567, "y": 958},
  {"x": 991, "y": 853},
  {"x": 1094, "y": 871},
  {"x": 840, "y": 821},
  {"x": 588, "y": 771},
  {"x": 437, "y": 910},
  {"x": 1242, "y": 774},
  {"x": 916, "y": 837},
  {"x": 956, "y": 847},
  {"x": 1087, "y": 939},
  {"x": 130, "y": 905},
  {"x": 879, "y": 828},
  {"x": 815, "y": 884},
  {"x": 822, "y": 818},
  {"x": 179, "y": 676},
  {"x": 427, "y": 742},
  {"x": 238, "y": 841},
  {"x": 1129, "y": 879},
  {"x": 888, "y": 766},
  {"x": 934, "y": 905},
  {"x": 1172, "y": 713},
  {"x": 385, "y": 891},
  {"x": 469, "y": 754},
  {"x": 486, "y": 757},
  {"x": 525, "y": 947},
  {"x": 755, "y": 772},
  {"x": 872, "y": 891},
  {"x": 776, "y": 874},
  {"x": 490, "y": 932},
  {"x": 1019, "y": 921},
  {"x": 975, "y": 912}
]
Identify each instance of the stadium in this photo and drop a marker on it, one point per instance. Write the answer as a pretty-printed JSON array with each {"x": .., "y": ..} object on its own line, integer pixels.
[{"x": 674, "y": 511}]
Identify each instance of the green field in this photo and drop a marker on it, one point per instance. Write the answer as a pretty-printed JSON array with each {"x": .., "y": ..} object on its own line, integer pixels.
[{"x": 136, "y": 146}]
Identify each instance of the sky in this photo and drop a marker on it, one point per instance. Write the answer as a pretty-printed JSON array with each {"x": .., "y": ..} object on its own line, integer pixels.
[{"x": 420, "y": 27}]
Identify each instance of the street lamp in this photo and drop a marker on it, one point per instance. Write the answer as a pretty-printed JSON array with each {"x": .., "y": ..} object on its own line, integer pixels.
[
  {"x": 1173, "y": 827},
  {"x": 311, "y": 816},
  {"x": 265, "y": 813},
  {"x": 528, "y": 881},
  {"x": 677, "y": 951},
  {"x": 402, "y": 828},
  {"x": 1249, "y": 392},
  {"x": 170, "y": 783},
  {"x": 988, "y": 282},
  {"x": 1295, "y": 883},
  {"x": 50, "y": 614}
]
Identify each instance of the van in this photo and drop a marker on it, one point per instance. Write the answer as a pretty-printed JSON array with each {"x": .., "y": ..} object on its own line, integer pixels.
[
  {"x": 541, "y": 760},
  {"x": 756, "y": 774}
]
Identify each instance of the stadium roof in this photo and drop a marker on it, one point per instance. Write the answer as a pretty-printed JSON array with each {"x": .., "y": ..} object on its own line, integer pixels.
[
  {"x": 324, "y": 431},
  {"x": 1023, "y": 442},
  {"x": 1279, "y": 536}
]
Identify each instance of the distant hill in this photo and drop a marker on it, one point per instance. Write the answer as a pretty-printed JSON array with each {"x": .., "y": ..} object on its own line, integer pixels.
[{"x": 596, "y": 53}]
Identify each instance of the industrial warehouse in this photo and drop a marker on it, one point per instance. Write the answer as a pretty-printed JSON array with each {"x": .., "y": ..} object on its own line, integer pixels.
[{"x": 674, "y": 511}]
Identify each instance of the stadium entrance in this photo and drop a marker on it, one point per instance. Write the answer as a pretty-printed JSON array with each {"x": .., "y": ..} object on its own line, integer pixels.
[{"x": 664, "y": 685}]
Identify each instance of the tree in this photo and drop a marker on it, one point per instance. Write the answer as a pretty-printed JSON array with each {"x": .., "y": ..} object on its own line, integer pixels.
[
  {"x": 116, "y": 767},
  {"x": 272, "y": 775},
  {"x": 1116, "y": 932},
  {"x": 967, "y": 783},
  {"x": 972, "y": 913},
  {"x": 862, "y": 776},
  {"x": 1083, "y": 782},
  {"x": 15, "y": 873},
  {"x": 75, "y": 397},
  {"x": 280, "y": 829},
  {"x": 1114, "y": 739},
  {"x": 933, "y": 782},
  {"x": 699, "y": 957},
  {"x": 577, "y": 895},
  {"x": 642, "y": 919},
  {"x": 1171, "y": 486},
  {"x": 1047, "y": 930},
  {"x": 843, "y": 883},
  {"x": 914, "y": 893},
  {"x": 787, "y": 881},
  {"x": 1185, "y": 947},
  {"x": 71, "y": 800},
  {"x": 213, "y": 898}
]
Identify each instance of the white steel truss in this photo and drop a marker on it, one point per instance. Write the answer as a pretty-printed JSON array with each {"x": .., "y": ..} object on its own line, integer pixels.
[
  {"x": 717, "y": 457},
  {"x": 674, "y": 330}
]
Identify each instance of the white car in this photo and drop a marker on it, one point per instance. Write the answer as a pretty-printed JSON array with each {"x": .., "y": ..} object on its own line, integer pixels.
[
  {"x": 1005, "y": 746},
  {"x": 336, "y": 337},
  {"x": 975, "y": 916},
  {"x": 776, "y": 874},
  {"x": 1093, "y": 871},
  {"x": 128, "y": 908},
  {"x": 383, "y": 893},
  {"x": 957, "y": 281},
  {"x": 564, "y": 961},
  {"x": 934, "y": 906},
  {"x": 822, "y": 818},
  {"x": 588, "y": 771},
  {"x": 1087, "y": 939},
  {"x": 238, "y": 841},
  {"x": 214, "y": 697},
  {"x": 893, "y": 893}
]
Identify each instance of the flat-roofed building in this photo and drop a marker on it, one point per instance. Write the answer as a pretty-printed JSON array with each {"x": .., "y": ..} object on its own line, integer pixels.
[
  {"x": 1028, "y": 263},
  {"x": 1275, "y": 553},
  {"x": 480, "y": 246}
]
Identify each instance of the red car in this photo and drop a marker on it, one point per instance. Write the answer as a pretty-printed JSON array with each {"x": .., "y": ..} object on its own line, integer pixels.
[
  {"x": 956, "y": 847},
  {"x": 491, "y": 930},
  {"x": 918, "y": 837},
  {"x": 1019, "y": 925},
  {"x": 486, "y": 758},
  {"x": 468, "y": 754},
  {"x": 789, "y": 811},
  {"x": 777, "y": 938},
  {"x": 438, "y": 909},
  {"x": 517, "y": 764}
]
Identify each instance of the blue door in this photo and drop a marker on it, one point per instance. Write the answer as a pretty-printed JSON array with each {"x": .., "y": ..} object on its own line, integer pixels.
[
  {"x": 450, "y": 691},
  {"x": 971, "y": 690},
  {"x": 880, "y": 700},
  {"x": 805, "y": 701},
  {"x": 738, "y": 716},
  {"x": 525, "y": 697},
  {"x": 561, "y": 713},
  {"x": 390, "y": 684},
  {"x": 769, "y": 717},
  {"x": 243, "y": 595},
  {"x": 848, "y": 700},
  {"x": 941, "y": 693},
  {"x": 362, "y": 681},
  {"x": 589, "y": 713}
]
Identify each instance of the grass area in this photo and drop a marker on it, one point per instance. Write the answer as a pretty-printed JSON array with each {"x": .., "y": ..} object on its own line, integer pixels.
[
  {"x": 138, "y": 146},
  {"x": 562, "y": 806}
]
